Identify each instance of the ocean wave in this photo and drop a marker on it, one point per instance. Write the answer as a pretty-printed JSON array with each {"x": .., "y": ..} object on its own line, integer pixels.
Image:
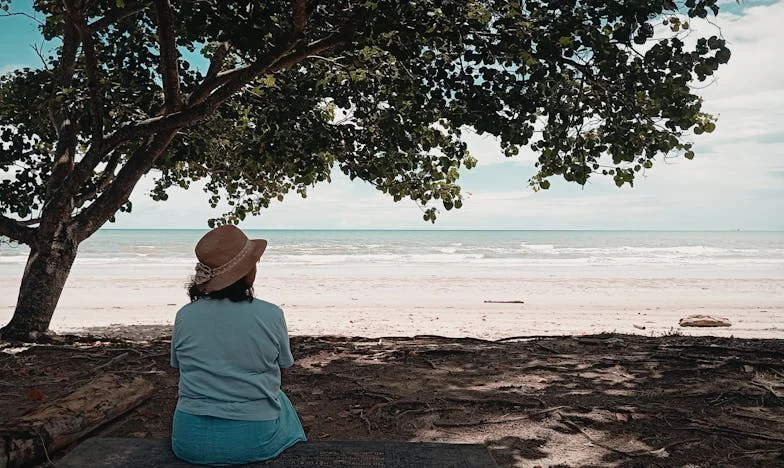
[
  {"x": 544, "y": 248},
  {"x": 426, "y": 248},
  {"x": 678, "y": 250}
]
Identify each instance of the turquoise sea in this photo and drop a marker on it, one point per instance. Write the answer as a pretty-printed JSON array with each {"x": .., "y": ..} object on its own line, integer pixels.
[{"x": 743, "y": 251}]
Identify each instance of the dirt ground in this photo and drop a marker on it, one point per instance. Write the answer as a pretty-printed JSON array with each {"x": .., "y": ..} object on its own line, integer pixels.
[{"x": 604, "y": 400}]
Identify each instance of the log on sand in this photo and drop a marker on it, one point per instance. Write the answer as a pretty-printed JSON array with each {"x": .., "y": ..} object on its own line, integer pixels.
[{"x": 31, "y": 438}]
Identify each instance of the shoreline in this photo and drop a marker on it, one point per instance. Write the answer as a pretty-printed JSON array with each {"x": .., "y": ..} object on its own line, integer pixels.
[
  {"x": 146, "y": 333},
  {"x": 375, "y": 305}
]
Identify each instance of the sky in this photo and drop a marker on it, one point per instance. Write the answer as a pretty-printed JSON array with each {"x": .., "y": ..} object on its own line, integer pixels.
[{"x": 736, "y": 180}]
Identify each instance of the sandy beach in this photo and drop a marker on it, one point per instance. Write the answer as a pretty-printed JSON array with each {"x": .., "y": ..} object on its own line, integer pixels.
[{"x": 374, "y": 300}]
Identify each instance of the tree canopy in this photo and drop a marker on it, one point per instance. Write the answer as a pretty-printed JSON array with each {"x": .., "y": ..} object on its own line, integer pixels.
[
  {"x": 381, "y": 90},
  {"x": 261, "y": 98}
]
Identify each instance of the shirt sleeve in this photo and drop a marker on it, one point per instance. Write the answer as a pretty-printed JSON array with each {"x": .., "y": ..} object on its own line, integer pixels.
[
  {"x": 173, "y": 361},
  {"x": 285, "y": 358}
]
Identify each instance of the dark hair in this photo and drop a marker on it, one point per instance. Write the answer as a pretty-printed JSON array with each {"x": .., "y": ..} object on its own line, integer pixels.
[{"x": 237, "y": 292}]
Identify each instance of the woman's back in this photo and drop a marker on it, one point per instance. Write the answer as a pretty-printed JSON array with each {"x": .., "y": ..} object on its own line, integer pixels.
[{"x": 229, "y": 355}]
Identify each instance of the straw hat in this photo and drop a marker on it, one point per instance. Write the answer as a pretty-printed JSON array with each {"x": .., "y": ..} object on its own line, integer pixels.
[{"x": 225, "y": 255}]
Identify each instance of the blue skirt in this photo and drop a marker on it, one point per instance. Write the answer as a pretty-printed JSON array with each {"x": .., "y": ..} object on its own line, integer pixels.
[{"x": 206, "y": 440}]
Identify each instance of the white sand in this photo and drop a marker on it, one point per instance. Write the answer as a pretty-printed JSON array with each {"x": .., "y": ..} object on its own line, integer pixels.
[{"x": 442, "y": 299}]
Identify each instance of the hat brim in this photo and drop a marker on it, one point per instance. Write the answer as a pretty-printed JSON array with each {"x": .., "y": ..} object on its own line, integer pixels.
[{"x": 242, "y": 268}]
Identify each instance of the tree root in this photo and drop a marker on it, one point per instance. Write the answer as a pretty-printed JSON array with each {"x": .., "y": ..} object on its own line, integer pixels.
[
  {"x": 730, "y": 431},
  {"x": 659, "y": 453},
  {"x": 482, "y": 422}
]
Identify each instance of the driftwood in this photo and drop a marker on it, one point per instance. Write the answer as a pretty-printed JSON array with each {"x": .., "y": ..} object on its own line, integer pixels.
[
  {"x": 31, "y": 438},
  {"x": 704, "y": 321}
]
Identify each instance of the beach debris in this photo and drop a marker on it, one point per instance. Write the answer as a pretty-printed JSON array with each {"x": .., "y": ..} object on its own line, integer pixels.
[
  {"x": 589, "y": 340},
  {"x": 14, "y": 350},
  {"x": 639, "y": 327},
  {"x": 503, "y": 302},
  {"x": 699, "y": 320}
]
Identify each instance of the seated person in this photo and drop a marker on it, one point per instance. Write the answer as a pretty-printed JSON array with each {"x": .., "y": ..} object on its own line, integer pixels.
[{"x": 230, "y": 348}]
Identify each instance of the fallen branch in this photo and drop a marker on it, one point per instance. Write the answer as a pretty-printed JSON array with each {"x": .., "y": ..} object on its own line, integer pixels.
[
  {"x": 747, "y": 453},
  {"x": 662, "y": 452},
  {"x": 730, "y": 431},
  {"x": 86, "y": 357},
  {"x": 768, "y": 387},
  {"x": 504, "y": 302},
  {"x": 489, "y": 401},
  {"x": 523, "y": 338},
  {"x": 483, "y": 422},
  {"x": 29, "y": 439},
  {"x": 378, "y": 406},
  {"x": 428, "y": 410},
  {"x": 480, "y": 422},
  {"x": 112, "y": 361}
]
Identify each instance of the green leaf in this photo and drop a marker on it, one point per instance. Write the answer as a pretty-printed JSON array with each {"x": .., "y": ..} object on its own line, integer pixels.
[
  {"x": 267, "y": 81},
  {"x": 565, "y": 41}
]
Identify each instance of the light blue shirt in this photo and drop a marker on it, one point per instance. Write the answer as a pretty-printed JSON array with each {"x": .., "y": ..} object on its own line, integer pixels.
[{"x": 230, "y": 355}]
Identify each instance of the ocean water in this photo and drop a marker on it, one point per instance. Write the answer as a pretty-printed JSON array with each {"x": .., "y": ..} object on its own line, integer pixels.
[
  {"x": 562, "y": 253},
  {"x": 403, "y": 283}
]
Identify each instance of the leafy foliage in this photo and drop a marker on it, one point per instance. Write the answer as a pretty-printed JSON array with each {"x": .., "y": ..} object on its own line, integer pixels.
[{"x": 380, "y": 89}]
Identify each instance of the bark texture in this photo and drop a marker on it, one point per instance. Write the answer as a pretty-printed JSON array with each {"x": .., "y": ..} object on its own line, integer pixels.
[
  {"x": 44, "y": 277},
  {"x": 31, "y": 438}
]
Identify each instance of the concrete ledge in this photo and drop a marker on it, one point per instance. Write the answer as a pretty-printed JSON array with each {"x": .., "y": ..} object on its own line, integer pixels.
[{"x": 116, "y": 452}]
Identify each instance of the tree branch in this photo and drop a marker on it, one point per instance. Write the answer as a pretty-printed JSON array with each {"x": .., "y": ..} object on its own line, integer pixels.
[
  {"x": 16, "y": 230},
  {"x": 66, "y": 134},
  {"x": 30, "y": 222},
  {"x": 237, "y": 79},
  {"x": 90, "y": 160},
  {"x": 103, "y": 182},
  {"x": 118, "y": 14},
  {"x": 68, "y": 61},
  {"x": 247, "y": 72},
  {"x": 215, "y": 79},
  {"x": 216, "y": 63},
  {"x": 314, "y": 49},
  {"x": 107, "y": 204},
  {"x": 91, "y": 69},
  {"x": 21, "y": 13},
  {"x": 299, "y": 15},
  {"x": 168, "y": 46},
  {"x": 170, "y": 77}
]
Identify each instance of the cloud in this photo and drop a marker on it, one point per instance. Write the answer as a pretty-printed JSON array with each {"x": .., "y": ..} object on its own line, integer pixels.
[
  {"x": 10, "y": 67},
  {"x": 486, "y": 149},
  {"x": 748, "y": 92}
]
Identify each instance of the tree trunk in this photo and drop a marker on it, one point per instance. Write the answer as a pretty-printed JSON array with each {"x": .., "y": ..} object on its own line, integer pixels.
[{"x": 43, "y": 280}]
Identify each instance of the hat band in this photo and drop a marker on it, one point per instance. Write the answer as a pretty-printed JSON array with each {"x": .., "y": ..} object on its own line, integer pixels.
[{"x": 205, "y": 273}]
